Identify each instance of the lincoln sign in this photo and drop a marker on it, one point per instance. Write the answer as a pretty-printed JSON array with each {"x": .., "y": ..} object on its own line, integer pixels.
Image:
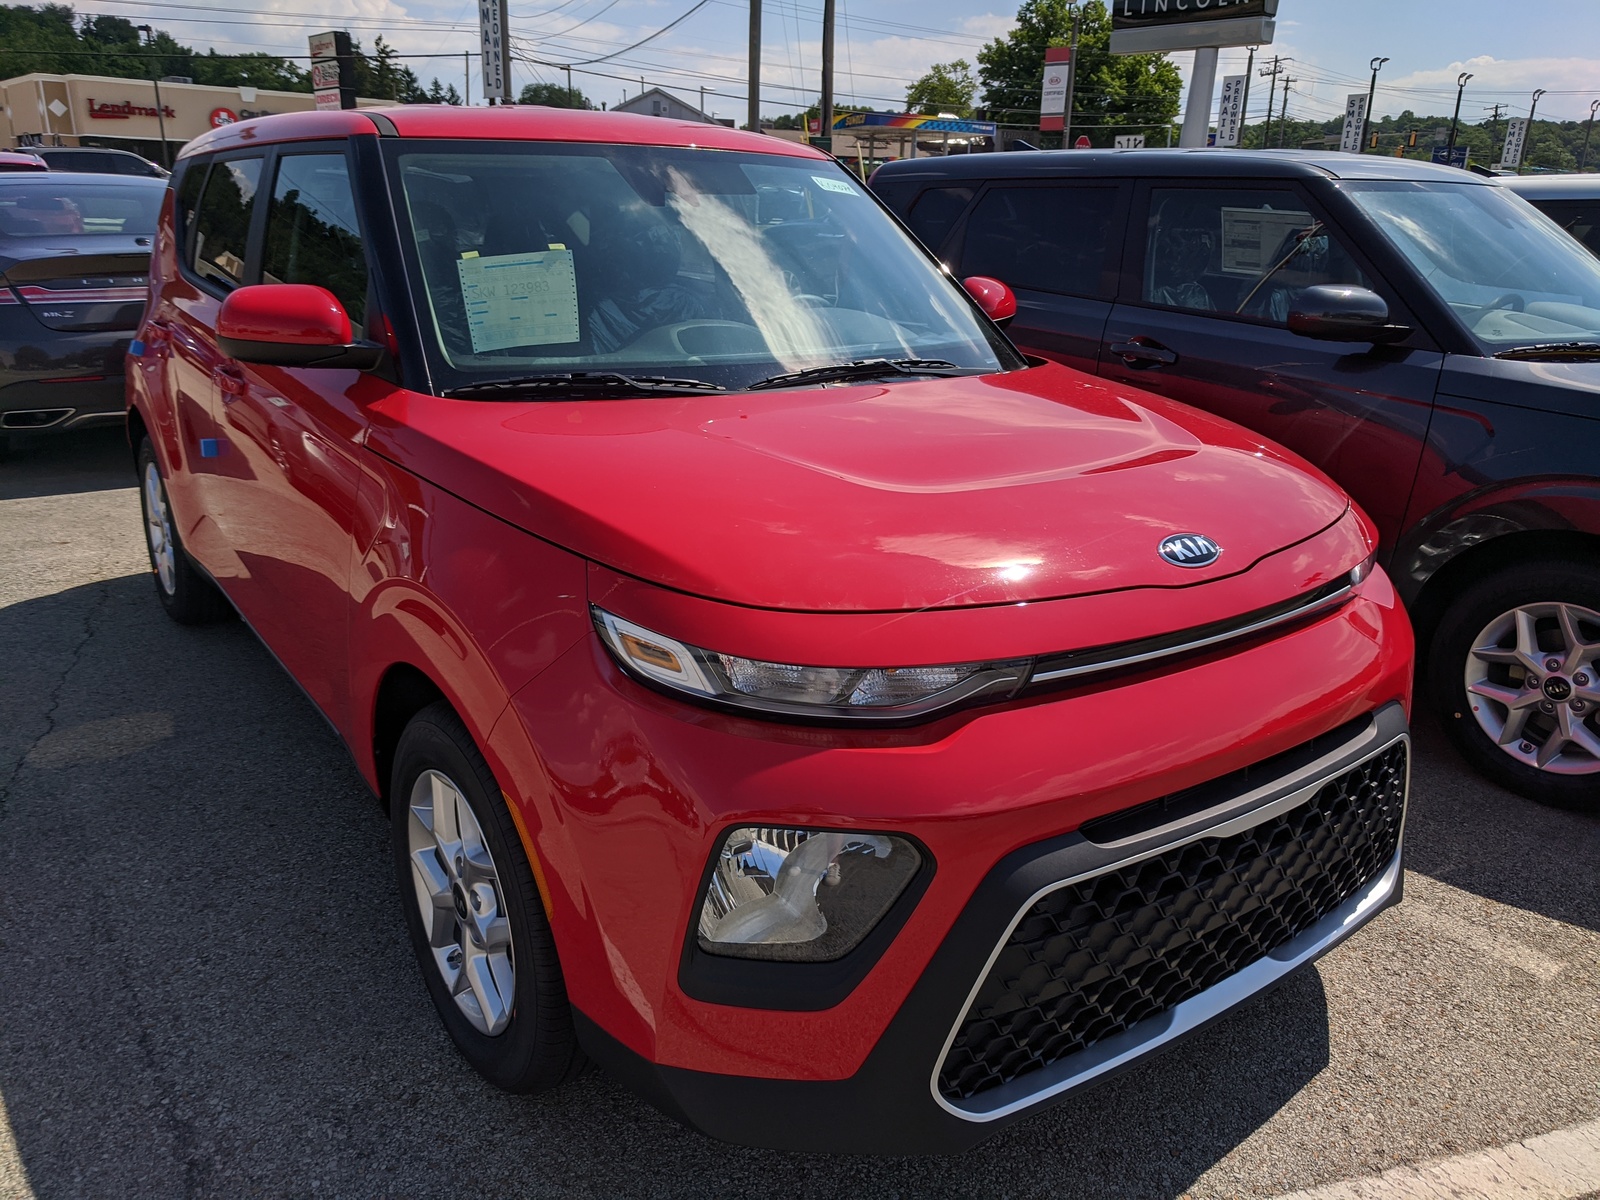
[{"x": 1150, "y": 26}]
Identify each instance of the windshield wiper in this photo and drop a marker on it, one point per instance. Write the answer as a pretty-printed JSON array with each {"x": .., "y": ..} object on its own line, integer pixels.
[
  {"x": 861, "y": 368},
  {"x": 566, "y": 382},
  {"x": 1583, "y": 351}
]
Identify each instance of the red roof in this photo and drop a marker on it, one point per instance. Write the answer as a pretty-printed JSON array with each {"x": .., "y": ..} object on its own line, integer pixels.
[
  {"x": 15, "y": 160},
  {"x": 518, "y": 122}
]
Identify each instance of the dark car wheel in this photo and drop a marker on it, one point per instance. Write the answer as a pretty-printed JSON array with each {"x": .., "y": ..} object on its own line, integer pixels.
[
  {"x": 476, "y": 920},
  {"x": 1515, "y": 672},
  {"x": 183, "y": 589}
]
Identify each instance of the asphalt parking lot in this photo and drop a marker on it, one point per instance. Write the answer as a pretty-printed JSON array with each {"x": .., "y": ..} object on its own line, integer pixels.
[{"x": 205, "y": 986}]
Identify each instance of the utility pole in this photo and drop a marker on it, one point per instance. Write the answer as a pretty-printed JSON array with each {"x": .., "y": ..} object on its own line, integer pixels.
[
  {"x": 1461, "y": 87},
  {"x": 1072, "y": 82},
  {"x": 1494, "y": 133},
  {"x": 753, "y": 113},
  {"x": 1372, "y": 91},
  {"x": 571, "y": 98},
  {"x": 1277, "y": 68},
  {"x": 1283, "y": 117},
  {"x": 1527, "y": 138},
  {"x": 466, "y": 79},
  {"x": 825, "y": 123},
  {"x": 161, "y": 120},
  {"x": 1583, "y": 159}
]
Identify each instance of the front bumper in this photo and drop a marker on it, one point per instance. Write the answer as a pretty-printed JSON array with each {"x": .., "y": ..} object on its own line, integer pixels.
[{"x": 907, "y": 1095}]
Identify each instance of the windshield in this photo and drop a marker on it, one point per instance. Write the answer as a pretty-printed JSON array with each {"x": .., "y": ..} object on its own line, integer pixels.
[
  {"x": 712, "y": 266},
  {"x": 39, "y": 206},
  {"x": 1511, "y": 274}
]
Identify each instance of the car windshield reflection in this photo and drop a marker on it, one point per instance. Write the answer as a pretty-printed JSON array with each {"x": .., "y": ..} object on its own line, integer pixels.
[{"x": 721, "y": 267}]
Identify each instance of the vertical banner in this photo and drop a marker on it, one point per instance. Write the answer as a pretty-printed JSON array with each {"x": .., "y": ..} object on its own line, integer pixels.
[
  {"x": 1516, "y": 138},
  {"x": 492, "y": 22},
  {"x": 333, "y": 76},
  {"x": 1355, "y": 120},
  {"x": 1053, "y": 99},
  {"x": 1230, "y": 115}
]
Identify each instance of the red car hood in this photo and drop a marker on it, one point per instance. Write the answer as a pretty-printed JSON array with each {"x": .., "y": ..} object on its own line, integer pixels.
[{"x": 1026, "y": 486}]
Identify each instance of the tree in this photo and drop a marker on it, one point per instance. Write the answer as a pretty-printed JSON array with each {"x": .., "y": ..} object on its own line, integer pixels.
[
  {"x": 439, "y": 94},
  {"x": 947, "y": 87},
  {"x": 554, "y": 95},
  {"x": 1112, "y": 94}
]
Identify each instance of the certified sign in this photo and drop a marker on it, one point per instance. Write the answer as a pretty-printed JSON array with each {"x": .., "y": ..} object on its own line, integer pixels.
[{"x": 1057, "y": 78}]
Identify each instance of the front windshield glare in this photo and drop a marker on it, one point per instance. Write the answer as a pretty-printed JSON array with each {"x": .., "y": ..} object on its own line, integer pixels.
[
  {"x": 1514, "y": 277},
  {"x": 721, "y": 267}
]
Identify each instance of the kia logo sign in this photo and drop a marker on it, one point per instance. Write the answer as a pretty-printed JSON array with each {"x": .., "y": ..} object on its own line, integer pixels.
[{"x": 1189, "y": 550}]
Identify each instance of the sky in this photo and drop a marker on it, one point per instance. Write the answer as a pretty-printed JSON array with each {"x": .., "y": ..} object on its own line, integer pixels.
[{"x": 883, "y": 45}]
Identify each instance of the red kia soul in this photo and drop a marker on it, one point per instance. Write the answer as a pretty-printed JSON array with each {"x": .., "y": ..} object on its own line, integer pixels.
[{"x": 851, "y": 733}]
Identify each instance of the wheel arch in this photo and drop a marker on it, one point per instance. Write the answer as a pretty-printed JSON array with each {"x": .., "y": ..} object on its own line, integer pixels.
[
  {"x": 403, "y": 691},
  {"x": 1514, "y": 547}
]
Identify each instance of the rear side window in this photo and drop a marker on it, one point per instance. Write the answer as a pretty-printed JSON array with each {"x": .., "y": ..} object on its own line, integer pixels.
[
  {"x": 1047, "y": 239},
  {"x": 222, "y": 221},
  {"x": 312, "y": 232},
  {"x": 935, "y": 211},
  {"x": 1580, "y": 218}
]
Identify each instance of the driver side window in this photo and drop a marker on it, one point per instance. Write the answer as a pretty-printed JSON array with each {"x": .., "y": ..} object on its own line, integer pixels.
[{"x": 1239, "y": 252}]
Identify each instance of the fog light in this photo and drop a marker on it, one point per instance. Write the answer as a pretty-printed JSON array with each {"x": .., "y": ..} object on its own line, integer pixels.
[{"x": 800, "y": 895}]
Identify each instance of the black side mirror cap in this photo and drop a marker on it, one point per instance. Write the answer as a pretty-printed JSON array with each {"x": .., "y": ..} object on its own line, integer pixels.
[
  {"x": 356, "y": 356},
  {"x": 1338, "y": 313}
]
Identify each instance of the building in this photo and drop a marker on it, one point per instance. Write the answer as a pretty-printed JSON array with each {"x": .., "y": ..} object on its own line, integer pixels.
[
  {"x": 152, "y": 119},
  {"x": 656, "y": 103}
]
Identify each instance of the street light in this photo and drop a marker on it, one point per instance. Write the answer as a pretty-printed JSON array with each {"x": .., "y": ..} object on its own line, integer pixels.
[
  {"x": 1461, "y": 86},
  {"x": 1372, "y": 90},
  {"x": 161, "y": 120},
  {"x": 1584, "y": 158},
  {"x": 1527, "y": 134}
]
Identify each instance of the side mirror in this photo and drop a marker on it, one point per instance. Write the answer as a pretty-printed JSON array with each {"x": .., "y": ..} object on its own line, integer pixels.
[
  {"x": 1336, "y": 313},
  {"x": 995, "y": 298},
  {"x": 291, "y": 325}
]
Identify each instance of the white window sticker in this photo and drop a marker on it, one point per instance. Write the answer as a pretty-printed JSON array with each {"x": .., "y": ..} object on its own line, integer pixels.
[
  {"x": 833, "y": 185},
  {"x": 520, "y": 299},
  {"x": 1253, "y": 239}
]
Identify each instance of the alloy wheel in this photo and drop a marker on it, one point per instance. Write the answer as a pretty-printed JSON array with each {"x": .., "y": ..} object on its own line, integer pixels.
[
  {"x": 158, "y": 530},
  {"x": 1534, "y": 689},
  {"x": 459, "y": 893}
]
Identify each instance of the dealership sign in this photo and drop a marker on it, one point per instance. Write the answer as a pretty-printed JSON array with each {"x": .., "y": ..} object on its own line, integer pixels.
[
  {"x": 1057, "y": 78},
  {"x": 1516, "y": 138},
  {"x": 1355, "y": 122},
  {"x": 493, "y": 23},
  {"x": 1151, "y": 26},
  {"x": 1230, "y": 117},
  {"x": 333, "y": 83}
]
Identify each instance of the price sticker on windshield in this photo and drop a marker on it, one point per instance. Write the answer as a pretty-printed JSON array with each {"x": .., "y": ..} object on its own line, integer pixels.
[{"x": 520, "y": 299}]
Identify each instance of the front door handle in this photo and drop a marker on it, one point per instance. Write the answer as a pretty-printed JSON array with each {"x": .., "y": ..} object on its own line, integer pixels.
[
  {"x": 230, "y": 383},
  {"x": 1142, "y": 353}
]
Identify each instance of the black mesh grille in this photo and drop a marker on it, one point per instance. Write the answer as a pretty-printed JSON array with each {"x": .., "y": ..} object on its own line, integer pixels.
[{"x": 1093, "y": 959}]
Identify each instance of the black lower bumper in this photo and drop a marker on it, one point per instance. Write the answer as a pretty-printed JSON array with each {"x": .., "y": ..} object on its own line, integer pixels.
[
  {"x": 57, "y": 405},
  {"x": 904, "y": 1101}
]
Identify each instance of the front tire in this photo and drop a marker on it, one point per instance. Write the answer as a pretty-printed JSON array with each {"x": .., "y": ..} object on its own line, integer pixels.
[
  {"x": 477, "y": 923},
  {"x": 1514, "y": 670},
  {"x": 183, "y": 589}
]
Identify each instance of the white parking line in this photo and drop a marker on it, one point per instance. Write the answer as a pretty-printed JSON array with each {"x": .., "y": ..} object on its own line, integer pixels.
[{"x": 1563, "y": 1165}]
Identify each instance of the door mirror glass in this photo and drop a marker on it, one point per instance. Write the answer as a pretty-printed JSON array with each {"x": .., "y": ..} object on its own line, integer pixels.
[
  {"x": 1338, "y": 313},
  {"x": 998, "y": 302},
  {"x": 290, "y": 325}
]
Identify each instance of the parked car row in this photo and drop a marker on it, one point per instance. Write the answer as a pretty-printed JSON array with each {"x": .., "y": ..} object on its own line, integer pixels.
[
  {"x": 1417, "y": 332},
  {"x": 851, "y": 731}
]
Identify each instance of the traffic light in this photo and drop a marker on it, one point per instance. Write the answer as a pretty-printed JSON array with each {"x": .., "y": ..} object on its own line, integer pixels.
[
  {"x": 1412, "y": 142},
  {"x": 1374, "y": 143}
]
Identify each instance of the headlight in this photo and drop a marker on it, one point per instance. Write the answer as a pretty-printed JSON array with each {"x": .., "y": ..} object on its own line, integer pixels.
[
  {"x": 787, "y": 689},
  {"x": 1359, "y": 574},
  {"x": 799, "y": 895}
]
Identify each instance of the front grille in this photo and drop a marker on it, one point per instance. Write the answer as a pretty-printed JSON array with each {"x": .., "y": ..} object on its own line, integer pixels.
[{"x": 1094, "y": 958}]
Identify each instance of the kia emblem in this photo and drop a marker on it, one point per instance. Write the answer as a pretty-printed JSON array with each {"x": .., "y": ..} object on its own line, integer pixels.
[{"x": 1189, "y": 550}]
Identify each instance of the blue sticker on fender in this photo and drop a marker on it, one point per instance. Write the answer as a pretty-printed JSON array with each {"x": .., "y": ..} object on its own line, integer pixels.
[{"x": 136, "y": 349}]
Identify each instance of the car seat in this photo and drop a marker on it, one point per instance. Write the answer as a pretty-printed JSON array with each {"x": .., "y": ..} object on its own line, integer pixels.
[{"x": 1179, "y": 257}]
